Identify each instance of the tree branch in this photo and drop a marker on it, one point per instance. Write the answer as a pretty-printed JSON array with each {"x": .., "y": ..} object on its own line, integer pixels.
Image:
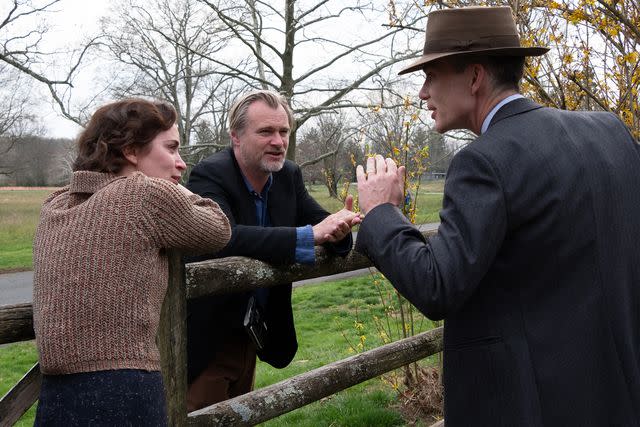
[{"x": 319, "y": 158}]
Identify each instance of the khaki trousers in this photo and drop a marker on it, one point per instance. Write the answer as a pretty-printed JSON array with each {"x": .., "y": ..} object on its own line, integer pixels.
[{"x": 230, "y": 373}]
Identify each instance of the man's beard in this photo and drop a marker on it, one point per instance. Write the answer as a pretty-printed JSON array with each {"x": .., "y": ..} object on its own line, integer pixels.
[
  {"x": 269, "y": 166},
  {"x": 260, "y": 160}
]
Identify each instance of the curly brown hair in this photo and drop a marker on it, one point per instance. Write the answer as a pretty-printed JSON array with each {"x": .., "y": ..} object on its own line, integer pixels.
[{"x": 113, "y": 127}]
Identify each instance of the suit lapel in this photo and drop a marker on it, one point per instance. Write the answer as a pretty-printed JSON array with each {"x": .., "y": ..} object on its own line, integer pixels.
[
  {"x": 282, "y": 201},
  {"x": 243, "y": 205}
]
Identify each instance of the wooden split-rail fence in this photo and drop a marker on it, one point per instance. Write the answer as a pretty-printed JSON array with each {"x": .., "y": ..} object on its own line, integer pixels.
[{"x": 227, "y": 275}]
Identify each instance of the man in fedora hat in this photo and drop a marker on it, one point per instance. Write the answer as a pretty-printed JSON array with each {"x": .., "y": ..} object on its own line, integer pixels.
[{"x": 535, "y": 263}]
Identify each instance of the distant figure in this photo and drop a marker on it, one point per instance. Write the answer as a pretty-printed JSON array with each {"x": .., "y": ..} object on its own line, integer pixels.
[
  {"x": 535, "y": 264},
  {"x": 273, "y": 219},
  {"x": 101, "y": 268}
]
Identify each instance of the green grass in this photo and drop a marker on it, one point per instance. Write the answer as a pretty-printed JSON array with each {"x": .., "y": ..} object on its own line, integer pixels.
[
  {"x": 326, "y": 316},
  {"x": 323, "y": 313},
  {"x": 15, "y": 360},
  {"x": 19, "y": 212},
  {"x": 429, "y": 200}
]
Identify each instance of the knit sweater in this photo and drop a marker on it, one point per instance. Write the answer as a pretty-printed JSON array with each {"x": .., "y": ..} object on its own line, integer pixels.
[{"x": 101, "y": 269}]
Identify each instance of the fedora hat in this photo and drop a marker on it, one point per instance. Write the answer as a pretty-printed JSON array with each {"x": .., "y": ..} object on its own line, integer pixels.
[{"x": 471, "y": 30}]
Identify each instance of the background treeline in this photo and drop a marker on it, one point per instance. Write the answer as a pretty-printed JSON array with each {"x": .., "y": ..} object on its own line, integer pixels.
[
  {"x": 35, "y": 161},
  {"x": 327, "y": 153}
]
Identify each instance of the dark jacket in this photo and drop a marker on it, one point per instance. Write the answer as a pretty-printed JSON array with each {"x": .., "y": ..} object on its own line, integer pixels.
[
  {"x": 211, "y": 319},
  {"x": 534, "y": 269}
]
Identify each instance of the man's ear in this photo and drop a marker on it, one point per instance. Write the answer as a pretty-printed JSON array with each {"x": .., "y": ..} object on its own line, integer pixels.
[
  {"x": 235, "y": 141},
  {"x": 478, "y": 76},
  {"x": 131, "y": 155}
]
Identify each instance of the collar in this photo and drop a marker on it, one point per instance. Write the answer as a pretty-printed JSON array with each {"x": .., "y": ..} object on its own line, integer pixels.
[
  {"x": 90, "y": 182},
  {"x": 494, "y": 110},
  {"x": 253, "y": 192}
]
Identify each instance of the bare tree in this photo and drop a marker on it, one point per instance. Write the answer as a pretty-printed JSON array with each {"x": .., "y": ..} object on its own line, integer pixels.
[
  {"x": 39, "y": 161},
  {"x": 326, "y": 150},
  {"x": 397, "y": 127},
  {"x": 161, "y": 50},
  {"x": 23, "y": 30},
  {"x": 16, "y": 115},
  {"x": 319, "y": 40},
  {"x": 210, "y": 133}
]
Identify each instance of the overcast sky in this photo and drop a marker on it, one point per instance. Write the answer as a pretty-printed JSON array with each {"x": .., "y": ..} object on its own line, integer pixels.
[{"x": 72, "y": 20}]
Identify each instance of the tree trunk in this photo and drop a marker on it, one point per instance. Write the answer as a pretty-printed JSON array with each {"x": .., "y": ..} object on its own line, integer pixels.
[{"x": 286, "y": 85}]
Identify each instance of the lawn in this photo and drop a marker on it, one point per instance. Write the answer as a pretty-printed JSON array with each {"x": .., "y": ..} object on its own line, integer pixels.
[
  {"x": 19, "y": 212},
  {"x": 15, "y": 360},
  {"x": 429, "y": 199},
  {"x": 328, "y": 317}
]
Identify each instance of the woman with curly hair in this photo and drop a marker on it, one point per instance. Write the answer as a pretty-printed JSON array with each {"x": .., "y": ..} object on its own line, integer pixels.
[{"x": 101, "y": 267}]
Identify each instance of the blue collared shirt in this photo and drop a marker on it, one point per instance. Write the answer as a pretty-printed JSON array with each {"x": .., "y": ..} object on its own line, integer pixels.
[
  {"x": 494, "y": 110},
  {"x": 305, "y": 252}
]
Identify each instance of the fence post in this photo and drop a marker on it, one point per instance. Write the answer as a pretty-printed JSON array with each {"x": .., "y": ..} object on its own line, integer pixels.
[{"x": 172, "y": 343}]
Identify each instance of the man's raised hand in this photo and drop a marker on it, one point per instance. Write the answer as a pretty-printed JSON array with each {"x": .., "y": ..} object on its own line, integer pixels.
[{"x": 382, "y": 183}]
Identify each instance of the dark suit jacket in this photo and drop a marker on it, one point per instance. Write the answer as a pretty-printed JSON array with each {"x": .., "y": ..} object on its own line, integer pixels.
[
  {"x": 534, "y": 268},
  {"x": 211, "y": 319}
]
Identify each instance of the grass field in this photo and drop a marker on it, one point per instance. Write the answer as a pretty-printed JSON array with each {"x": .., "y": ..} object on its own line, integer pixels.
[
  {"x": 429, "y": 200},
  {"x": 323, "y": 313},
  {"x": 19, "y": 211},
  {"x": 15, "y": 360}
]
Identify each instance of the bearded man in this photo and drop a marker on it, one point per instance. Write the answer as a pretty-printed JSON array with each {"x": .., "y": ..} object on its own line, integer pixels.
[{"x": 274, "y": 219}]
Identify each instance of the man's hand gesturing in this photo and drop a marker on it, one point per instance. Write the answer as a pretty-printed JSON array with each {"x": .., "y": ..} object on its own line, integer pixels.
[{"x": 382, "y": 183}]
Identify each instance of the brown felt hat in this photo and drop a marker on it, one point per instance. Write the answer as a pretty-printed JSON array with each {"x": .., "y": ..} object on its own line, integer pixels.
[{"x": 470, "y": 30}]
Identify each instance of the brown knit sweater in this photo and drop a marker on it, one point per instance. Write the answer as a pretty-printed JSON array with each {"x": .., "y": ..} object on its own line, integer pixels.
[{"x": 101, "y": 270}]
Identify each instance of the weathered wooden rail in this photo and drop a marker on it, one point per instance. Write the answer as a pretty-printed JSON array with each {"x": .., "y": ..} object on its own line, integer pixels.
[
  {"x": 230, "y": 275},
  {"x": 277, "y": 399}
]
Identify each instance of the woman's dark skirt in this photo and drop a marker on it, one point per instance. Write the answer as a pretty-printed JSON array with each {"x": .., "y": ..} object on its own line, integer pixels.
[{"x": 122, "y": 397}]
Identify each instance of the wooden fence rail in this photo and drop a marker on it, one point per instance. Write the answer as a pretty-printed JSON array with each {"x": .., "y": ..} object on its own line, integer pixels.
[
  {"x": 277, "y": 399},
  {"x": 229, "y": 275},
  {"x": 21, "y": 397},
  {"x": 238, "y": 274},
  {"x": 16, "y": 323}
]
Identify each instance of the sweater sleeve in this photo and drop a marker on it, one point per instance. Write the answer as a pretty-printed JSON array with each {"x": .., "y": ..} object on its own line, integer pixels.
[{"x": 173, "y": 217}]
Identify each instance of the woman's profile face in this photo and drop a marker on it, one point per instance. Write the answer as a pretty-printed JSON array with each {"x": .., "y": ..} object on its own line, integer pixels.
[{"x": 161, "y": 158}]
